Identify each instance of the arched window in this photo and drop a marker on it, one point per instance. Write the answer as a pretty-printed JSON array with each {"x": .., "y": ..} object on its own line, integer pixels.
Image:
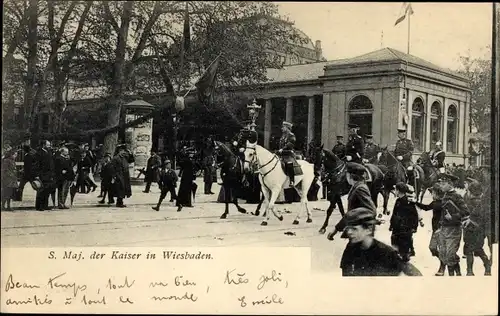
[
  {"x": 436, "y": 116},
  {"x": 417, "y": 124},
  {"x": 360, "y": 112},
  {"x": 452, "y": 129}
]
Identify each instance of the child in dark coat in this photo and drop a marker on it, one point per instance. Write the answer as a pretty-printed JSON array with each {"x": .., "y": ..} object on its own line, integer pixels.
[
  {"x": 167, "y": 183},
  {"x": 404, "y": 222},
  {"x": 9, "y": 178}
]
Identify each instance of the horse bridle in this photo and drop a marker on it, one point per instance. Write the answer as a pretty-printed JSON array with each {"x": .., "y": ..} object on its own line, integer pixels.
[{"x": 275, "y": 157}]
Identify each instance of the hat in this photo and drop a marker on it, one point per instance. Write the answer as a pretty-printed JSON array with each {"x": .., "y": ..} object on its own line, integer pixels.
[
  {"x": 403, "y": 188},
  {"x": 166, "y": 162},
  {"x": 369, "y": 136},
  {"x": 355, "y": 168},
  {"x": 402, "y": 130},
  {"x": 36, "y": 185},
  {"x": 360, "y": 215},
  {"x": 447, "y": 177},
  {"x": 287, "y": 124},
  {"x": 475, "y": 188},
  {"x": 350, "y": 125},
  {"x": 340, "y": 136}
]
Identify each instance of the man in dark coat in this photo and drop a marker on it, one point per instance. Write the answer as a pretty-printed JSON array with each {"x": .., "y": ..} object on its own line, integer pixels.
[
  {"x": 208, "y": 164},
  {"x": 84, "y": 167},
  {"x": 187, "y": 174},
  {"x": 121, "y": 175},
  {"x": 28, "y": 165},
  {"x": 44, "y": 172},
  {"x": 152, "y": 170},
  {"x": 358, "y": 196},
  {"x": 106, "y": 178},
  {"x": 355, "y": 148},
  {"x": 339, "y": 148},
  {"x": 65, "y": 176},
  {"x": 286, "y": 145}
]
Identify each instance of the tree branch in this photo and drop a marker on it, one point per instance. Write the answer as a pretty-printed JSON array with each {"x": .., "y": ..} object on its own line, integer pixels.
[{"x": 110, "y": 17}]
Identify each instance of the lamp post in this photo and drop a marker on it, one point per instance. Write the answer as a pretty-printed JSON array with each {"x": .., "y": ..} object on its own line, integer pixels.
[{"x": 253, "y": 111}]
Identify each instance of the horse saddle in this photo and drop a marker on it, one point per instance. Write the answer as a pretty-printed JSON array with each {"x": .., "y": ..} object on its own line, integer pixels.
[{"x": 296, "y": 167}]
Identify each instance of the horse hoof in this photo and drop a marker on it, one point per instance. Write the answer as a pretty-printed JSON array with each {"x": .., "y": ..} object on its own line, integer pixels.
[
  {"x": 309, "y": 220},
  {"x": 264, "y": 223},
  {"x": 280, "y": 218},
  {"x": 256, "y": 213},
  {"x": 242, "y": 210},
  {"x": 322, "y": 231},
  {"x": 223, "y": 216},
  {"x": 295, "y": 222}
]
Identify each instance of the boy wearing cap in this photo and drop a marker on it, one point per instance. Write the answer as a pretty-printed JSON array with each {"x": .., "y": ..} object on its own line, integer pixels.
[
  {"x": 404, "y": 222},
  {"x": 365, "y": 255},
  {"x": 358, "y": 196},
  {"x": 474, "y": 228},
  {"x": 355, "y": 148},
  {"x": 167, "y": 183}
]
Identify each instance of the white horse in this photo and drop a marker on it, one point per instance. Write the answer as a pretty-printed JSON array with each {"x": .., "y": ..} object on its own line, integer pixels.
[{"x": 273, "y": 179}]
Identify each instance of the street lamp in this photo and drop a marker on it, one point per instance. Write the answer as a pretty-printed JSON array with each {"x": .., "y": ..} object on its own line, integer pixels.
[{"x": 253, "y": 111}]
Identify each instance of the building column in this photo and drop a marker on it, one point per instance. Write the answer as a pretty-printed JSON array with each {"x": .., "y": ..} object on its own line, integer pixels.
[
  {"x": 310, "y": 119},
  {"x": 427, "y": 145},
  {"x": 267, "y": 122},
  {"x": 444, "y": 125},
  {"x": 325, "y": 120},
  {"x": 461, "y": 127},
  {"x": 289, "y": 110},
  {"x": 409, "y": 113},
  {"x": 467, "y": 128}
]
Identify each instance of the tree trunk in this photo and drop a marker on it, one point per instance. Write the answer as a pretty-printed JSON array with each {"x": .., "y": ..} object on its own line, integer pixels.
[
  {"x": 29, "y": 93},
  {"x": 9, "y": 56},
  {"x": 116, "y": 102}
]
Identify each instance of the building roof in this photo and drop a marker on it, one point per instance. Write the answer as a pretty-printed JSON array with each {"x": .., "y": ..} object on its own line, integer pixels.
[
  {"x": 391, "y": 54},
  {"x": 312, "y": 71}
]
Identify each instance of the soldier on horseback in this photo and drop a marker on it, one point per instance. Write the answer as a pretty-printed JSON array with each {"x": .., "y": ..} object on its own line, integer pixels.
[
  {"x": 404, "y": 150},
  {"x": 339, "y": 148},
  {"x": 355, "y": 147},
  {"x": 286, "y": 144},
  {"x": 371, "y": 149},
  {"x": 437, "y": 156}
]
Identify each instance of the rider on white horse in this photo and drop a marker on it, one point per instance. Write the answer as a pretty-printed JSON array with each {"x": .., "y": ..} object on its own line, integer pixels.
[{"x": 286, "y": 144}]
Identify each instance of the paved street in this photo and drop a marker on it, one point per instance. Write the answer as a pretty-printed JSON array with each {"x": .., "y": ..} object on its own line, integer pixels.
[{"x": 87, "y": 224}]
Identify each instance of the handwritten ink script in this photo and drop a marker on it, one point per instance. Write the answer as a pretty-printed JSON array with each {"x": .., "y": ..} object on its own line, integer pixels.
[
  {"x": 63, "y": 289},
  {"x": 162, "y": 279}
]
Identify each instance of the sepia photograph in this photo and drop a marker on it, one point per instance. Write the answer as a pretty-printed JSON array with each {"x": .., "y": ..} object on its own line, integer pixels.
[{"x": 339, "y": 139}]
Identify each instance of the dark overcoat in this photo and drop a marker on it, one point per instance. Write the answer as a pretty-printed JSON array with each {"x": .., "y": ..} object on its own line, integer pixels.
[
  {"x": 359, "y": 196},
  {"x": 121, "y": 187},
  {"x": 153, "y": 169}
]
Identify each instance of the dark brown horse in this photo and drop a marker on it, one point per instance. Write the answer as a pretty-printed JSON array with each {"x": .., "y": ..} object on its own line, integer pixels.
[
  {"x": 394, "y": 172},
  {"x": 430, "y": 174},
  {"x": 336, "y": 180}
]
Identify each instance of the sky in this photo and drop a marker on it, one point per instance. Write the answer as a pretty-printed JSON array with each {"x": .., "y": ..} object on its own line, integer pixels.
[{"x": 439, "y": 32}]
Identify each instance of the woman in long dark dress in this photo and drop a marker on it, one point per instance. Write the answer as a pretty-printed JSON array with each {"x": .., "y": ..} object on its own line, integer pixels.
[{"x": 187, "y": 175}]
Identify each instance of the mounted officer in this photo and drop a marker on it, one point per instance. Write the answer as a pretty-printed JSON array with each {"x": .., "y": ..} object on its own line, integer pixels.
[
  {"x": 355, "y": 147},
  {"x": 339, "y": 148},
  {"x": 371, "y": 149},
  {"x": 404, "y": 150},
  {"x": 437, "y": 156},
  {"x": 286, "y": 145}
]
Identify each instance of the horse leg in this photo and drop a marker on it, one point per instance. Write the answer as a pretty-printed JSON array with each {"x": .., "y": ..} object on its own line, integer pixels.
[
  {"x": 266, "y": 194},
  {"x": 341, "y": 206},
  {"x": 240, "y": 209},
  {"x": 270, "y": 207},
  {"x": 303, "y": 203},
  {"x": 329, "y": 212}
]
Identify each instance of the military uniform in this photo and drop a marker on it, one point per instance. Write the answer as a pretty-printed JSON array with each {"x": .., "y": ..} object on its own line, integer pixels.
[
  {"x": 355, "y": 148},
  {"x": 371, "y": 150},
  {"x": 339, "y": 149},
  {"x": 437, "y": 158},
  {"x": 286, "y": 145},
  {"x": 404, "y": 148}
]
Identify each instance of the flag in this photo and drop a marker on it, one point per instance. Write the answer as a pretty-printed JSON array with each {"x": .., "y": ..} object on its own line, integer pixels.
[
  {"x": 187, "y": 30},
  {"x": 206, "y": 84},
  {"x": 405, "y": 9}
]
